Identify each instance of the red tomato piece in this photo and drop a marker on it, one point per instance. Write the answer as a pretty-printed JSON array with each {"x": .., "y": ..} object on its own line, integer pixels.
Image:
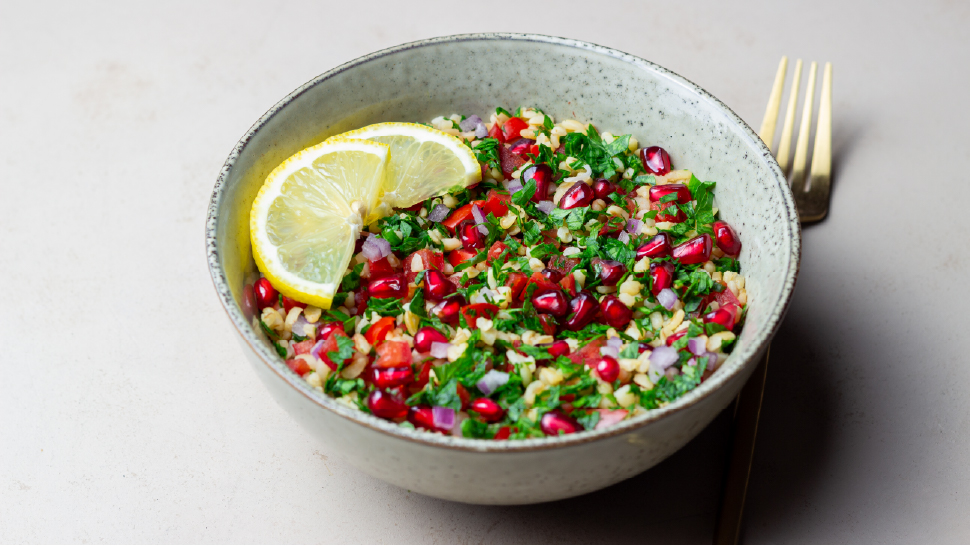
[
  {"x": 503, "y": 433},
  {"x": 517, "y": 282},
  {"x": 562, "y": 264},
  {"x": 478, "y": 310},
  {"x": 380, "y": 268},
  {"x": 569, "y": 285},
  {"x": 460, "y": 215},
  {"x": 330, "y": 345},
  {"x": 422, "y": 378},
  {"x": 534, "y": 150},
  {"x": 726, "y": 297},
  {"x": 548, "y": 324},
  {"x": 498, "y": 247},
  {"x": 460, "y": 256},
  {"x": 541, "y": 283},
  {"x": 463, "y": 396},
  {"x": 299, "y": 366},
  {"x": 303, "y": 347},
  {"x": 430, "y": 259},
  {"x": 588, "y": 353},
  {"x": 496, "y": 132},
  {"x": 393, "y": 354},
  {"x": 379, "y": 330},
  {"x": 513, "y": 128},
  {"x": 496, "y": 203}
]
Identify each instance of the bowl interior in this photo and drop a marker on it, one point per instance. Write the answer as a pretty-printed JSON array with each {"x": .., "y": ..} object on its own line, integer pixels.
[{"x": 473, "y": 74}]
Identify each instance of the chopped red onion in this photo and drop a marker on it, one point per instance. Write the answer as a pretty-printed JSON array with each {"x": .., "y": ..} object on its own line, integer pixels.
[
  {"x": 300, "y": 327},
  {"x": 545, "y": 206},
  {"x": 439, "y": 213},
  {"x": 481, "y": 131},
  {"x": 470, "y": 123},
  {"x": 654, "y": 374},
  {"x": 712, "y": 359},
  {"x": 662, "y": 357},
  {"x": 667, "y": 298},
  {"x": 439, "y": 349},
  {"x": 615, "y": 342},
  {"x": 696, "y": 346},
  {"x": 375, "y": 248},
  {"x": 492, "y": 380},
  {"x": 633, "y": 225},
  {"x": 623, "y": 237},
  {"x": 515, "y": 186},
  {"x": 444, "y": 418},
  {"x": 317, "y": 349},
  {"x": 606, "y": 350},
  {"x": 477, "y": 213}
]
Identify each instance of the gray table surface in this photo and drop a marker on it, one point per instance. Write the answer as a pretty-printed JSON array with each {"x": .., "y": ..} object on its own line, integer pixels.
[{"x": 128, "y": 414}]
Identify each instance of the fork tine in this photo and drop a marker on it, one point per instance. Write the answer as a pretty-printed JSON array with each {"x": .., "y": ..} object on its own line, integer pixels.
[
  {"x": 784, "y": 146},
  {"x": 813, "y": 205},
  {"x": 801, "y": 147},
  {"x": 767, "y": 132}
]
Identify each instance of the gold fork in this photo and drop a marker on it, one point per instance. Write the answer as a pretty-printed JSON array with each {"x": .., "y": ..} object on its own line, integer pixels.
[{"x": 812, "y": 200}]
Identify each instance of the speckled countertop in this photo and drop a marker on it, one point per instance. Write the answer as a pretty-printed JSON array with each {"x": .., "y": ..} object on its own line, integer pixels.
[{"x": 128, "y": 414}]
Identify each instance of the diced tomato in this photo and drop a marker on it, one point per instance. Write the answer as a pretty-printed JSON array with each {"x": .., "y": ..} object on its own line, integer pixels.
[
  {"x": 509, "y": 161},
  {"x": 326, "y": 330},
  {"x": 498, "y": 247},
  {"x": 423, "y": 376},
  {"x": 303, "y": 347},
  {"x": 548, "y": 324},
  {"x": 380, "y": 268},
  {"x": 503, "y": 433},
  {"x": 610, "y": 417},
  {"x": 613, "y": 226},
  {"x": 393, "y": 354},
  {"x": 534, "y": 150},
  {"x": 463, "y": 213},
  {"x": 513, "y": 128},
  {"x": 569, "y": 285},
  {"x": 496, "y": 203},
  {"x": 562, "y": 264},
  {"x": 360, "y": 299},
  {"x": 726, "y": 297},
  {"x": 551, "y": 237},
  {"x": 330, "y": 345},
  {"x": 496, "y": 132},
  {"x": 299, "y": 366},
  {"x": 517, "y": 282},
  {"x": 541, "y": 283},
  {"x": 460, "y": 256},
  {"x": 463, "y": 396},
  {"x": 379, "y": 330},
  {"x": 478, "y": 310},
  {"x": 588, "y": 353},
  {"x": 430, "y": 259},
  {"x": 663, "y": 217}
]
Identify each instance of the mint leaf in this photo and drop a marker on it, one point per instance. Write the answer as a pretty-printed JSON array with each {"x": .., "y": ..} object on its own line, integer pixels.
[{"x": 524, "y": 195}]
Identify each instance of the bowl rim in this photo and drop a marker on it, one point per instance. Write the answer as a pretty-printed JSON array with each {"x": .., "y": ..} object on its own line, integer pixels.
[{"x": 735, "y": 364}]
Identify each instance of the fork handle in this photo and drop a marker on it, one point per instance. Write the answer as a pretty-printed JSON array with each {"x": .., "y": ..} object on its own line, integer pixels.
[{"x": 747, "y": 413}]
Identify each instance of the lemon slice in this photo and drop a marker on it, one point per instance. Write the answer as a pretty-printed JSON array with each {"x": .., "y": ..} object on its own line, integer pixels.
[
  {"x": 424, "y": 163},
  {"x": 309, "y": 213}
]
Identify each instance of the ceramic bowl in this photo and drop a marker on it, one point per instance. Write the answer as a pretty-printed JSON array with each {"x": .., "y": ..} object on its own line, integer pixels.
[{"x": 469, "y": 74}]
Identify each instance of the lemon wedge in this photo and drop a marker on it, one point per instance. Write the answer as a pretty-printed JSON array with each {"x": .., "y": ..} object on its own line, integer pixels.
[
  {"x": 311, "y": 209},
  {"x": 424, "y": 162}
]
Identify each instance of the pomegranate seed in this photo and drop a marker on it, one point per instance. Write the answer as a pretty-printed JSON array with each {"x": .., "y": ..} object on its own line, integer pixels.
[
  {"x": 471, "y": 237},
  {"x": 659, "y": 192},
  {"x": 555, "y": 423},
  {"x": 542, "y": 174},
  {"x": 658, "y": 247},
  {"x": 615, "y": 312},
  {"x": 552, "y": 302},
  {"x": 694, "y": 251},
  {"x": 487, "y": 409},
  {"x": 392, "y": 286},
  {"x": 437, "y": 285},
  {"x": 290, "y": 303},
  {"x": 611, "y": 271},
  {"x": 727, "y": 239},
  {"x": 602, "y": 189},
  {"x": 386, "y": 405},
  {"x": 552, "y": 274},
  {"x": 426, "y": 336},
  {"x": 675, "y": 336},
  {"x": 578, "y": 195},
  {"x": 329, "y": 328},
  {"x": 661, "y": 276},
  {"x": 266, "y": 295},
  {"x": 583, "y": 309},
  {"x": 558, "y": 348},
  {"x": 503, "y": 433},
  {"x": 248, "y": 302},
  {"x": 422, "y": 417},
  {"x": 450, "y": 309},
  {"x": 387, "y": 378},
  {"x": 613, "y": 227},
  {"x": 726, "y": 316},
  {"x": 607, "y": 368},
  {"x": 521, "y": 146},
  {"x": 655, "y": 160}
]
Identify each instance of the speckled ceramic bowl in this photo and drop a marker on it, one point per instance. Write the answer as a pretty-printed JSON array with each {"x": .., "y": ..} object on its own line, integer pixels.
[{"x": 617, "y": 92}]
